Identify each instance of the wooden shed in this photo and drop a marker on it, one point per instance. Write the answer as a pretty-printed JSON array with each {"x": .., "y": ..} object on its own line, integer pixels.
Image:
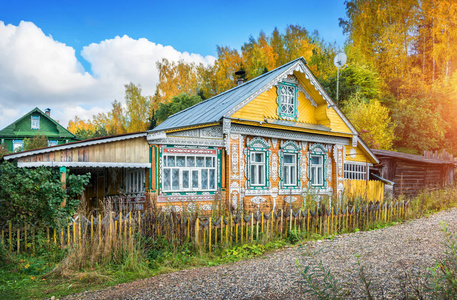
[
  {"x": 412, "y": 173},
  {"x": 119, "y": 166}
]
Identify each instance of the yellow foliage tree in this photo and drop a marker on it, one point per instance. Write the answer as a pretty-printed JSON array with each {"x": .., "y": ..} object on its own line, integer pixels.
[{"x": 372, "y": 121}]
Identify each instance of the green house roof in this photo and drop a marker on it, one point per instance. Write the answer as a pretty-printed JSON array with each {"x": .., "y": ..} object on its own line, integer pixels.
[{"x": 48, "y": 127}]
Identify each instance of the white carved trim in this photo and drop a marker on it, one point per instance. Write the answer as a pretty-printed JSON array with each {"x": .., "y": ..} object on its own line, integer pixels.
[
  {"x": 290, "y": 199},
  {"x": 274, "y": 142},
  {"x": 289, "y": 192},
  {"x": 354, "y": 141},
  {"x": 189, "y": 141},
  {"x": 235, "y": 162},
  {"x": 274, "y": 167},
  {"x": 257, "y": 192},
  {"x": 282, "y": 134},
  {"x": 257, "y": 200}
]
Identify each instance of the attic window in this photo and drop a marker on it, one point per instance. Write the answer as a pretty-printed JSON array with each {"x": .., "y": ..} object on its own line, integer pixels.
[
  {"x": 287, "y": 101},
  {"x": 35, "y": 123}
]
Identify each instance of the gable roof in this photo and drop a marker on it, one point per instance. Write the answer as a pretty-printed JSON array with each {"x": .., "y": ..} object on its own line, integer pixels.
[
  {"x": 9, "y": 131},
  {"x": 214, "y": 109}
]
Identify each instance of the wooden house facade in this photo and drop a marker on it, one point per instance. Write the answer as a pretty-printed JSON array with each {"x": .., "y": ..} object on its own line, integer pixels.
[
  {"x": 413, "y": 173},
  {"x": 263, "y": 144}
]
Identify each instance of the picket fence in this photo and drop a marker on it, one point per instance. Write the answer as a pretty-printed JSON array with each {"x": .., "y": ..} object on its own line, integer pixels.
[{"x": 204, "y": 231}]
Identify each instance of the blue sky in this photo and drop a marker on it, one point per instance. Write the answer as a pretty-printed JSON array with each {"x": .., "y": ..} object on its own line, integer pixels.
[{"x": 95, "y": 44}]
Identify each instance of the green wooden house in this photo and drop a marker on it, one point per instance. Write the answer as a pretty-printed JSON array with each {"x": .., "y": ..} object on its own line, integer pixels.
[{"x": 33, "y": 123}]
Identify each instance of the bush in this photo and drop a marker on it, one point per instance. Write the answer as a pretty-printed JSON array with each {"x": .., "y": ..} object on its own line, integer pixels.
[{"x": 36, "y": 195}]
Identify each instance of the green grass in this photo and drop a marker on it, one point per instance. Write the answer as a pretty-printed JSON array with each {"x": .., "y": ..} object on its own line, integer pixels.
[{"x": 55, "y": 272}]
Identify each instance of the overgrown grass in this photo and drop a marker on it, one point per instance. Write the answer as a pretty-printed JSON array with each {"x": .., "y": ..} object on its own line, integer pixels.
[{"x": 90, "y": 265}]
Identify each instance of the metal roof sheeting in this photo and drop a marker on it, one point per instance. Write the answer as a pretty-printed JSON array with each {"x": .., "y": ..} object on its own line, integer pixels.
[{"x": 213, "y": 110}]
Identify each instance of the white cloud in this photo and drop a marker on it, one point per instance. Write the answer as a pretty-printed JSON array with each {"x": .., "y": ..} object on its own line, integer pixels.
[{"x": 36, "y": 70}]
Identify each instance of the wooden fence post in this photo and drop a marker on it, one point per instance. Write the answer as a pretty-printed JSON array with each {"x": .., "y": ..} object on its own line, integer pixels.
[
  {"x": 99, "y": 230},
  {"x": 91, "y": 228},
  {"x": 11, "y": 236},
  {"x": 139, "y": 221},
  {"x": 252, "y": 227},
  {"x": 241, "y": 229},
  {"x": 197, "y": 229},
  {"x": 209, "y": 234},
  {"x": 18, "y": 240}
]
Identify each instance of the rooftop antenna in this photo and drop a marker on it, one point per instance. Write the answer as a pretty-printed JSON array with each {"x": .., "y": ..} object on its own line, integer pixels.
[{"x": 339, "y": 61}]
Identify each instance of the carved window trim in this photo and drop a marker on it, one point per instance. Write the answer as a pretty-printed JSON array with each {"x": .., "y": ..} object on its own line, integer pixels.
[
  {"x": 190, "y": 191},
  {"x": 281, "y": 113},
  {"x": 257, "y": 145},
  {"x": 319, "y": 151},
  {"x": 35, "y": 122},
  {"x": 293, "y": 148}
]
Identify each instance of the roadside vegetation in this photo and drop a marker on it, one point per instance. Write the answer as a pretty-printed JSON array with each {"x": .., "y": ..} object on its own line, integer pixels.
[{"x": 90, "y": 264}]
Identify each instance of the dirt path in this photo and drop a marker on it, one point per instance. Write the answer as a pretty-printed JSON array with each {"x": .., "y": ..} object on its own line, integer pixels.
[{"x": 387, "y": 254}]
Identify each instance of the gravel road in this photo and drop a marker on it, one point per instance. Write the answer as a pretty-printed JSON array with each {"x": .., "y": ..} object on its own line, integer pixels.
[{"x": 387, "y": 254}]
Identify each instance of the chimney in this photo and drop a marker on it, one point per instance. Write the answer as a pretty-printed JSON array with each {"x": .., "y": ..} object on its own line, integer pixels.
[
  {"x": 241, "y": 74},
  {"x": 48, "y": 112}
]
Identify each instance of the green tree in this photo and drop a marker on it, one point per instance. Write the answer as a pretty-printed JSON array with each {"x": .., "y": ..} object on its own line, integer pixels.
[
  {"x": 38, "y": 141},
  {"x": 355, "y": 78},
  {"x": 372, "y": 121},
  {"x": 419, "y": 124},
  {"x": 35, "y": 195},
  {"x": 176, "y": 104}
]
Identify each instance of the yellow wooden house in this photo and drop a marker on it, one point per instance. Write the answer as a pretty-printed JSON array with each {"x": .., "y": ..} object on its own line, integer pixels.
[{"x": 266, "y": 142}]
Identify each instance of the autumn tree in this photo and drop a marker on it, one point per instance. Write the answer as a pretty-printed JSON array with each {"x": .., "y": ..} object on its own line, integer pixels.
[
  {"x": 138, "y": 109},
  {"x": 372, "y": 120}
]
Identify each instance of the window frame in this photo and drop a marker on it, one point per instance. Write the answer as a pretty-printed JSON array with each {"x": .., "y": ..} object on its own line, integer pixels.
[
  {"x": 290, "y": 148},
  {"x": 317, "y": 150},
  {"x": 292, "y": 169},
  {"x": 191, "y": 173},
  {"x": 18, "y": 142},
  {"x": 282, "y": 114},
  {"x": 314, "y": 170},
  {"x": 37, "y": 120},
  {"x": 257, "y": 145},
  {"x": 135, "y": 181},
  {"x": 53, "y": 143},
  {"x": 257, "y": 165},
  {"x": 355, "y": 171}
]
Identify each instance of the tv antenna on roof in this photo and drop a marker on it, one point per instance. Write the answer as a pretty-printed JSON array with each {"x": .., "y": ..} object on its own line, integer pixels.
[{"x": 339, "y": 61}]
